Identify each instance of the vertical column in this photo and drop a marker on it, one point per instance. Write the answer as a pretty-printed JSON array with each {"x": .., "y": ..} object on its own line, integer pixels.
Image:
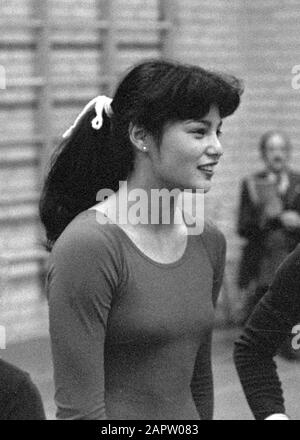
[
  {"x": 169, "y": 15},
  {"x": 44, "y": 118},
  {"x": 110, "y": 44}
]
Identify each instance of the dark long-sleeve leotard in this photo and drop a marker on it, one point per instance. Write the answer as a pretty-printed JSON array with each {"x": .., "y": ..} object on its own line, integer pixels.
[
  {"x": 272, "y": 321},
  {"x": 131, "y": 337}
]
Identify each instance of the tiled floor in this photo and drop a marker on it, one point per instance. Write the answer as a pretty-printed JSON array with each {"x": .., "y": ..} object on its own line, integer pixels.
[{"x": 35, "y": 357}]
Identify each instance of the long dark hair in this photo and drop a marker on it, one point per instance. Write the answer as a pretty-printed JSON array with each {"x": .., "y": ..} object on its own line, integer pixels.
[{"x": 151, "y": 94}]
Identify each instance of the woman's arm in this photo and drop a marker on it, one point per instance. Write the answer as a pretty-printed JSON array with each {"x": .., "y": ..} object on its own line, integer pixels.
[
  {"x": 202, "y": 381},
  {"x": 268, "y": 327},
  {"x": 81, "y": 282}
]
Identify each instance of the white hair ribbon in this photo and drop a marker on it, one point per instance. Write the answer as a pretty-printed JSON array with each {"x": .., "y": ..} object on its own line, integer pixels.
[{"x": 101, "y": 103}]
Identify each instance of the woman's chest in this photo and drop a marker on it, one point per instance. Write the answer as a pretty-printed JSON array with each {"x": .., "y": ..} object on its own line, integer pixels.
[{"x": 163, "y": 305}]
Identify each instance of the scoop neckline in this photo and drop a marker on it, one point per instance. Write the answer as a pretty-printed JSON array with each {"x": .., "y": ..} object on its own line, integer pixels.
[{"x": 176, "y": 263}]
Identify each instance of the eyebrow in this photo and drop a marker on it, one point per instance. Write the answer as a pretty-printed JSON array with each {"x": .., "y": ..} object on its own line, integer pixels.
[{"x": 204, "y": 121}]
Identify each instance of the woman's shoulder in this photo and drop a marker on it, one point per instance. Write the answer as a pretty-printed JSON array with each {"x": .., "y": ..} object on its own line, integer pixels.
[
  {"x": 214, "y": 242},
  {"x": 87, "y": 254},
  {"x": 89, "y": 237},
  {"x": 205, "y": 229},
  {"x": 213, "y": 235}
]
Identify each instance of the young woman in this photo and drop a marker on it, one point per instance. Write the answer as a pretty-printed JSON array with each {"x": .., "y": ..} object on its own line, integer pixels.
[
  {"x": 276, "y": 316},
  {"x": 132, "y": 303}
]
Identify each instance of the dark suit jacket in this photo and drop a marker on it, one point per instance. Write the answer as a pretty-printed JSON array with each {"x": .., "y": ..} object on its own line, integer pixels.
[
  {"x": 252, "y": 227},
  {"x": 19, "y": 397}
]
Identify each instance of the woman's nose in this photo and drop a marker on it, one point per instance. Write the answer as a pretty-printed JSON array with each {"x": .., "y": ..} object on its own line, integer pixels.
[{"x": 215, "y": 146}]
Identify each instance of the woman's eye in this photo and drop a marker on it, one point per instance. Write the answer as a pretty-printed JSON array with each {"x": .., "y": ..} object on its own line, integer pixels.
[{"x": 199, "y": 133}]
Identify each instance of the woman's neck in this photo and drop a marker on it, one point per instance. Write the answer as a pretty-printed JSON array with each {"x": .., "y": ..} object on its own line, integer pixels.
[{"x": 157, "y": 206}]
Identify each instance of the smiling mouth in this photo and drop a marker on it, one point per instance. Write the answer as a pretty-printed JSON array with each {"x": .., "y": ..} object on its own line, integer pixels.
[{"x": 208, "y": 169}]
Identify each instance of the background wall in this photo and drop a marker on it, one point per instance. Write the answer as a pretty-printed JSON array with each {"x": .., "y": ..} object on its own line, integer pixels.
[{"x": 52, "y": 71}]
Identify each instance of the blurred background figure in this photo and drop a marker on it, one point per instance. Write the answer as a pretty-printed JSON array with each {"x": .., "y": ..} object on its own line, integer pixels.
[
  {"x": 269, "y": 217},
  {"x": 19, "y": 397}
]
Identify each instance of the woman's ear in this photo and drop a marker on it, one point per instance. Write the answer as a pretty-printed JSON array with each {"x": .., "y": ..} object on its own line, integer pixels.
[{"x": 138, "y": 137}]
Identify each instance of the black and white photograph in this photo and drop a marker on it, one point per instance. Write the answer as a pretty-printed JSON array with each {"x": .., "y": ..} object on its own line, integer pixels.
[{"x": 149, "y": 213}]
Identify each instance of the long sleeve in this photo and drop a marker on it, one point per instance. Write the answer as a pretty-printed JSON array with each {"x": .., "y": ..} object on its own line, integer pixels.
[
  {"x": 269, "y": 325},
  {"x": 202, "y": 381},
  {"x": 216, "y": 246},
  {"x": 82, "y": 279},
  {"x": 219, "y": 269}
]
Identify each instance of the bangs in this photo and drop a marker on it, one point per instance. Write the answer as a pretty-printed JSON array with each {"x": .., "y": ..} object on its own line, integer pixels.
[
  {"x": 187, "y": 92},
  {"x": 200, "y": 89}
]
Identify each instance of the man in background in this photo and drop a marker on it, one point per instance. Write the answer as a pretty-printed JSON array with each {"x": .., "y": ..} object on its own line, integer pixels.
[{"x": 269, "y": 217}]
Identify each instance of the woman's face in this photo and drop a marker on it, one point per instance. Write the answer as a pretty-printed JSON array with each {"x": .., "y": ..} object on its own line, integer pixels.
[{"x": 188, "y": 153}]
